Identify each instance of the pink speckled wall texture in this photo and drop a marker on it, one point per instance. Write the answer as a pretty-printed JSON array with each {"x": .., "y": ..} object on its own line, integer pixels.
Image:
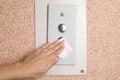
[{"x": 103, "y": 26}]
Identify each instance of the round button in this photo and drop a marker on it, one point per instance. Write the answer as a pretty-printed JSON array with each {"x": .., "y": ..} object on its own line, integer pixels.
[{"x": 62, "y": 28}]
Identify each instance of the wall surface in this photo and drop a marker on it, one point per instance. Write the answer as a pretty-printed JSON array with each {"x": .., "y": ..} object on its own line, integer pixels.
[{"x": 103, "y": 26}]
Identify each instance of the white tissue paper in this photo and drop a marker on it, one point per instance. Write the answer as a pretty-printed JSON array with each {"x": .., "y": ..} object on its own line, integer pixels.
[{"x": 67, "y": 50}]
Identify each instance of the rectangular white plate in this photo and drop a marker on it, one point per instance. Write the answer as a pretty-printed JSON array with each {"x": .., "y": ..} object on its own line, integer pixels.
[{"x": 41, "y": 24}]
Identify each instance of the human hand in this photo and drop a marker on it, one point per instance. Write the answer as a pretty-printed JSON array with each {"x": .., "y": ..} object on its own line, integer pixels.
[{"x": 41, "y": 60}]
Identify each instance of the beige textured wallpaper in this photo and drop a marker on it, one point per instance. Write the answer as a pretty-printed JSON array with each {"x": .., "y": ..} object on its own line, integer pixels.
[{"x": 103, "y": 26}]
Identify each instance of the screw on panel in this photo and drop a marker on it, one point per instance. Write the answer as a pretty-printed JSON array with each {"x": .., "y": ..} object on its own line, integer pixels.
[
  {"x": 82, "y": 71},
  {"x": 62, "y": 14}
]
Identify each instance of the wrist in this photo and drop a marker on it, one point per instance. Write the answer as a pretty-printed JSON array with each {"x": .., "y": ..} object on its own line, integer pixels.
[
  {"x": 11, "y": 71},
  {"x": 15, "y": 70},
  {"x": 24, "y": 70},
  {"x": 21, "y": 72}
]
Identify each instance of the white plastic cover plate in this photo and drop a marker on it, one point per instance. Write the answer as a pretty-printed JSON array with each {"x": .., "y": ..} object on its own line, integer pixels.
[{"x": 41, "y": 35}]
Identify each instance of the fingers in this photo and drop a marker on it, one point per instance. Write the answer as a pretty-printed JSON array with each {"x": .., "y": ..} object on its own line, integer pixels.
[
  {"x": 53, "y": 43},
  {"x": 44, "y": 46},
  {"x": 55, "y": 47},
  {"x": 51, "y": 50},
  {"x": 56, "y": 52},
  {"x": 52, "y": 46}
]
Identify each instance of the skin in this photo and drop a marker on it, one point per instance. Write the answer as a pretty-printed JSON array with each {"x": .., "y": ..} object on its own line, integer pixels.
[{"x": 34, "y": 65}]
